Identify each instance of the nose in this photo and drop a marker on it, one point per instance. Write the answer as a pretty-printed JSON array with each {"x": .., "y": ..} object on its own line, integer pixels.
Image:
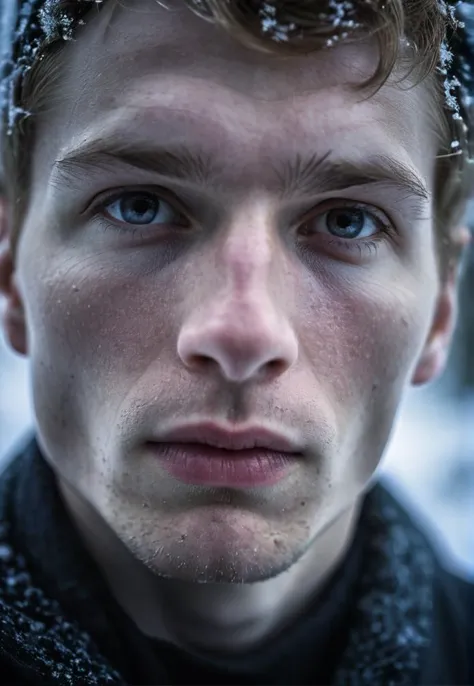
[{"x": 243, "y": 336}]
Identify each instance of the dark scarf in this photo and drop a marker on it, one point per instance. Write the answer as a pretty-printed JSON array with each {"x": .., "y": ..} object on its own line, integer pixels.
[{"x": 387, "y": 639}]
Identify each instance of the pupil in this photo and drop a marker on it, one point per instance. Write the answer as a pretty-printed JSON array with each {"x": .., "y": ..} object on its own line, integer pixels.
[
  {"x": 139, "y": 209},
  {"x": 345, "y": 222}
]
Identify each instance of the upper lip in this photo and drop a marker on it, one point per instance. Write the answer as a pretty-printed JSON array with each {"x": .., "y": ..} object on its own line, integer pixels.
[{"x": 209, "y": 433}]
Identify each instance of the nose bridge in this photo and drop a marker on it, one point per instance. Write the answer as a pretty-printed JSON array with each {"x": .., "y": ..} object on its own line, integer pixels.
[
  {"x": 246, "y": 258},
  {"x": 241, "y": 324}
]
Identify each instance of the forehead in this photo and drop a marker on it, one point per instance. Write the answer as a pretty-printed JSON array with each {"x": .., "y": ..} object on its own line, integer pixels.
[{"x": 168, "y": 73}]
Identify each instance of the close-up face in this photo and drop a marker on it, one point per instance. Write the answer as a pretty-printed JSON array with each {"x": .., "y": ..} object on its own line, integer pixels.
[{"x": 219, "y": 235}]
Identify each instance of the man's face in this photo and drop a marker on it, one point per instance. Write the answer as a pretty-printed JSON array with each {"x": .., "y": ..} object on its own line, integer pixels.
[{"x": 226, "y": 270}]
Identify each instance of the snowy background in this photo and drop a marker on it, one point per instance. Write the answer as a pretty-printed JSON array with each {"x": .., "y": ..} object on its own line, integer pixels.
[{"x": 430, "y": 459}]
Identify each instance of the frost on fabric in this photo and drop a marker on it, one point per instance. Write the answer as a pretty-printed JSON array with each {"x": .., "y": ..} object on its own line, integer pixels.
[
  {"x": 457, "y": 81},
  {"x": 28, "y": 29},
  {"x": 41, "y": 632},
  {"x": 56, "y": 24},
  {"x": 53, "y": 24},
  {"x": 451, "y": 83},
  {"x": 449, "y": 11},
  {"x": 7, "y": 27}
]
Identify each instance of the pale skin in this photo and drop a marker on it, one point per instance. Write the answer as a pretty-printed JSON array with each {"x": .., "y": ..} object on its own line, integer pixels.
[{"x": 235, "y": 304}]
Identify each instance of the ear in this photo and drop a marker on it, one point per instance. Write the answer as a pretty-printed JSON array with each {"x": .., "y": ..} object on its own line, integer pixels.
[
  {"x": 434, "y": 355},
  {"x": 14, "y": 321}
]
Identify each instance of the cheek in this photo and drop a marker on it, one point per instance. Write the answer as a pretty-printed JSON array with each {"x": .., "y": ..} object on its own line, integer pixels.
[
  {"x": 361, "y": 340},
  {"x": 94, "y": 330}
]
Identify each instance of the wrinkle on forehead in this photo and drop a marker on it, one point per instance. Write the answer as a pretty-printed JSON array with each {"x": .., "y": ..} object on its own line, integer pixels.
[
  {"x": 143, "y": 56},
  {"x": 146, "y": 38}
]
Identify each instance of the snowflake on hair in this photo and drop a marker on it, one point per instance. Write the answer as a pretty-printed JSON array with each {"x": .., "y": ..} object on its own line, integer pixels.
[
  {"x": 270, "y": 24},
  {"x": 456, "y": 66}
]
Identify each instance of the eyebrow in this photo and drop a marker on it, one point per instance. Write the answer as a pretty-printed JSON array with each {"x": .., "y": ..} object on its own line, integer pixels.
[
  {"x": 323, "y": 174},
  {"x": 310, "y": 175}
]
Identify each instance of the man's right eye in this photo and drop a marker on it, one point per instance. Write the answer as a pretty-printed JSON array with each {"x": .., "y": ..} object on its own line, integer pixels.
[{"x": 140, "y": 208}]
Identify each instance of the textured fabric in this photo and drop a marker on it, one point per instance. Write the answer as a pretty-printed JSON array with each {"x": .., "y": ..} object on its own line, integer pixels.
[{"x": 392, "y": 626}]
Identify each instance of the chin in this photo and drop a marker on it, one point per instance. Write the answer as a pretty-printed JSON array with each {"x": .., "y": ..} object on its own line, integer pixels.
[
  {"x": 220, "y": 553},
  {"x": 226, "y": 568}
]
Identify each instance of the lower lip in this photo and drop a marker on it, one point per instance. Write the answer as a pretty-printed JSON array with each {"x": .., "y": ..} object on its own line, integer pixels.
[{"x": 204, "y": 465}]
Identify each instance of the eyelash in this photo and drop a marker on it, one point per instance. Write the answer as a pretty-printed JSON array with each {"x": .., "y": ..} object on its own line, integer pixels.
[
  {"x": 369, "y": 245},
  {"x": 97, "y": 210}
]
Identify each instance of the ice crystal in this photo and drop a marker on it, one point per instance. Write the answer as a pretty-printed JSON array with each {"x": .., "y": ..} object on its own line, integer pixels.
[
  {"x": 341, "y": 14},
  {"x": 26, "y": 29},
  {"x": 7, "y": 27},
  {"x": 54, "y": 25},
  {"x": 270, "y": 24}
]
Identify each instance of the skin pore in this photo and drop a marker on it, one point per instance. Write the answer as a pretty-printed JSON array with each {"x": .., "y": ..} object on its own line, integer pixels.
[{"x": 238, "y": 303}]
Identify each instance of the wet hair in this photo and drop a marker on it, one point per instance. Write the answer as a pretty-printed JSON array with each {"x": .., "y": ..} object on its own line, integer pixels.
[{"x": 422, "y": 40}]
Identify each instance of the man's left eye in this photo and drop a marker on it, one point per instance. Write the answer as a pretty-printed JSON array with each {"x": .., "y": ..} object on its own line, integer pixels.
[{"x": 347, "y": 222}]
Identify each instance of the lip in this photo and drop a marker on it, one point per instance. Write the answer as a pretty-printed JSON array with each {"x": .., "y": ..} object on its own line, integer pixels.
[
  {"x": 232, "y": 439},
  {"x": 207, "y": 454}
]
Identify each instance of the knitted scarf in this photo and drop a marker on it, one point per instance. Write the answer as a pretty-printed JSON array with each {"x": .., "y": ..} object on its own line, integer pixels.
[{"x": 387, "y": 639}]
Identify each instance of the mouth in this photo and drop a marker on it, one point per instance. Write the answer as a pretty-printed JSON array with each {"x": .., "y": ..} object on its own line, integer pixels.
[{"x": 210, "y": 455}]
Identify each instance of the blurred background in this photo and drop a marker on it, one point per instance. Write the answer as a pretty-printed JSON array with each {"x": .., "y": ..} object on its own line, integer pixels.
[{"x": 429, "y": 461}]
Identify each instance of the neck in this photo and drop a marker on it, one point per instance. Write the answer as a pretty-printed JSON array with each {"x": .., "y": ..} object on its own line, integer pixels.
[{"x": 211, "y": 617}]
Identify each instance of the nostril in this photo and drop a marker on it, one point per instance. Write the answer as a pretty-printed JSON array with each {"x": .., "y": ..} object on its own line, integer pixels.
[
  {"x": 277, "y": 366},
  {"x": 201, "y": 362},
  {"x": 238, "y": 350}
]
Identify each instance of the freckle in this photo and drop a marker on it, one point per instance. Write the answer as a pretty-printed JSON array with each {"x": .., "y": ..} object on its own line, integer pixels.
[
  {"x": 374, "y": 387},
  {"x": 277, "y": 542},
  {"x": 303, "y": 503}
]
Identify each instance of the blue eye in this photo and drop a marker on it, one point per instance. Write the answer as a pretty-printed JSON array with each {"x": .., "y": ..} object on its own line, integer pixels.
[
  {"x": 350, "y": 222},
  {"x": 141, "y": 208},
  {"x": 347, "y": 222}
]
